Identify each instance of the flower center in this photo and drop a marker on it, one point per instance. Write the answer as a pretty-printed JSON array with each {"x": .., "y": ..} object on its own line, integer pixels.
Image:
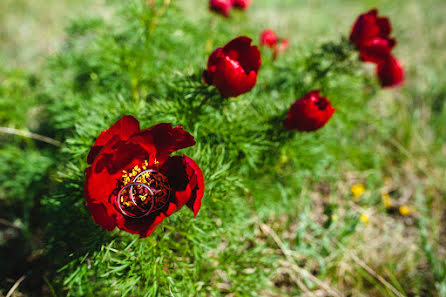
[
  {"x": 144, "y": 190},
  {"x": 322, "y": 103}
]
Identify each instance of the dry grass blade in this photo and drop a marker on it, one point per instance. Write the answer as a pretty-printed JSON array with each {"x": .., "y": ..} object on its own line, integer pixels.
[
  {"x": 15, "y": 286},
  {"x": 367, "y": 268},
  {"x": 297, "y": 268},
  {"x": 30, "y": 135}
]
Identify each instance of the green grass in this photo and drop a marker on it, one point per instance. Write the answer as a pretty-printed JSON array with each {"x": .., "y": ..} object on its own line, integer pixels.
[{"x": 278, "y": 217}]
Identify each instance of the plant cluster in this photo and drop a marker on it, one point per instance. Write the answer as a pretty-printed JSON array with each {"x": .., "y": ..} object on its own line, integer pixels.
[{"x": 125, "y": 94}]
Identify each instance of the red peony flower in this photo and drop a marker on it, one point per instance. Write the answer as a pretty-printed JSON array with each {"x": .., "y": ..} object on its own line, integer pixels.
[
  {"x": 278, "y": 45},
  {"x": 133, "y": 183},
  {"x": 242, "y": 4},
  {"x": 369, "y": 26},
  {"x": 268, "y": 38},
  {"x": 390, "y": 72},
  {"x": 309, "y": 113},
  {"x": 221, "y": 6},
  {"x": 371, "y": 36},
  {"x": 232, "y": 69}
]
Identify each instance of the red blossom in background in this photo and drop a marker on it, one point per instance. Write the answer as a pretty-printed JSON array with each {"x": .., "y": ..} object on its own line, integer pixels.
[
  {"x": 390, "y": 72},
  {"x": 309, "y": 113},
  {"x": 371, "y": 36},
  {"x": 269, "y": 39},
  {"x": 232, "y": 69},
  {"x": 221, "y": 6},
  {"x": 242, "y": 4},
  {"x": 369, "y": 26},
  {"x": 224, "y": 6},
  {"x": 133, "y": 183}
]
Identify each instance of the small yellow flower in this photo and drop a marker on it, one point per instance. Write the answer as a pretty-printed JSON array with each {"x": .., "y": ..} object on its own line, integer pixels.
[
  {"x": 357, "y": 190},
  {"x": 364, "y": 218},
  {"x": 387, "y": 201},
  {"x": 404, "y": 210},
  {"x": 213, "y": 199}
]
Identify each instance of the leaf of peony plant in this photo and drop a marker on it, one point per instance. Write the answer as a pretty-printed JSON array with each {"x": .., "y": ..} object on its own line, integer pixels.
[{"x": 133, "y": 183}]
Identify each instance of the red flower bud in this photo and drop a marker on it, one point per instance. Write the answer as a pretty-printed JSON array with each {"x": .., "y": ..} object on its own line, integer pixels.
[
  {"x": 133, "y": 183},
  {"x": 390, "y": 72},
  {"x": 221, "y": 6},
  {"x": 232, "y": 69},
  {"x": 309, "y": 113},
  {"x": 242, "y": 4},
  {"x": 268, "y": 38}
]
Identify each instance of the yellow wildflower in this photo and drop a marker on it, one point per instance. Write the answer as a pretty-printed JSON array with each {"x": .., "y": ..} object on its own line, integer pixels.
[
  {"x": 387, "y": 201},
  {"x": 404, "y": 210},
  {"x": 357, "y": 190},
  {"x": 364, "y": 218}
]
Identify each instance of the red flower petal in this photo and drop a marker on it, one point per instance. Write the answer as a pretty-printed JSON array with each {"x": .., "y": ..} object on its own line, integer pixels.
[
  {"x": 162, "y": 140},
  {"x": 221, "y": 6},
  {"x": 145, "y": 226},
  {"x": 377, "y": 50},
  {"x": 385, "y": 28},
  {"x": 240, "y": 50},
  {"x": 121, "y": 130},
  {"x": 194, "y": 171},
  {"x": 97, "y": 199},
  {"x": 390, "y": 72},
  {"x": 186, "y": 178},
  {"x": 231, "y": 80}
]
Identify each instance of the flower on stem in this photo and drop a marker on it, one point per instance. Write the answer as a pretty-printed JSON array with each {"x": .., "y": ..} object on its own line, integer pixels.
[
  {"x": 233, "y": 69},
  {"x": 309, "y": 113},
  {"x": 371, "y": 36},
  {"x": 222, "y": 7},
  {"x": 268, "y": 38},
  {"x": 133, "y": 183}
]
